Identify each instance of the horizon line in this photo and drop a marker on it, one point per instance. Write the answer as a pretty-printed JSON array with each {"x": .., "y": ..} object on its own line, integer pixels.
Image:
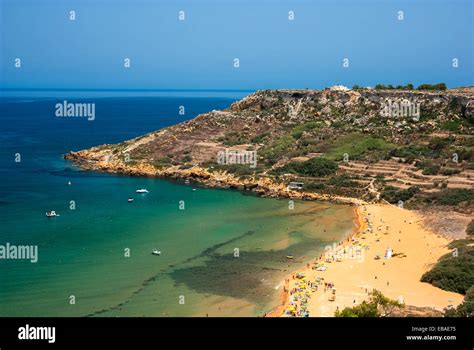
[
  {"x": 181, "y": 90},
  {"x": 128, "y": 89}
]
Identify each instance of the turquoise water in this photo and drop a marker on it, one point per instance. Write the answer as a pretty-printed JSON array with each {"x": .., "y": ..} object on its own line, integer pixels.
[{"x": 82, "y": 253}]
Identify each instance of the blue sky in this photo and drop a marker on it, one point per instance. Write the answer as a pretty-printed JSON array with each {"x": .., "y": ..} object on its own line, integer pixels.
[{"x": 198, "y": 53}]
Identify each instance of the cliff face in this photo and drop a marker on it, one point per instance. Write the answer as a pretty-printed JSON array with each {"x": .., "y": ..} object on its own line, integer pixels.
[{"x": 371, "y": 134}]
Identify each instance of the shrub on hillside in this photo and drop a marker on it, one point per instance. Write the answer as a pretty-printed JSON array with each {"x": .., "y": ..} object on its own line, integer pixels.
[
  {"x": 465, "y": 309},
  {"x": 394, "y": 195},
  {"x": 470, "y": 228},
  {"x": 378, "y": 305},
  {"x": 451, "y": 196},
  {"x": 316, "y": 167},
  {"x": 439, "y": 86},
  {"x": 343, "y": 180},
  {"x": 454, "y": 272}
]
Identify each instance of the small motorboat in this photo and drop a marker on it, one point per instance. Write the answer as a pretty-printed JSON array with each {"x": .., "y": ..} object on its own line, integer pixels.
[
  {"x": 186, "y": 181},
  {"x": 142, "y": 190},
  {"x": 51, "y": 214},
  {"x": 69, "y": 183},
  {"x": 194, "y": 189},
  {"x": 130, "y": 200},
  {"x": 155, "y": 252}
]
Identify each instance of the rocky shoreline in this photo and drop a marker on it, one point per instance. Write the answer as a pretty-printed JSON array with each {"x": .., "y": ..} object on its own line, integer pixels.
[
  {"x": 263, "y": 186},
  {"x": 336, "y": 141}
]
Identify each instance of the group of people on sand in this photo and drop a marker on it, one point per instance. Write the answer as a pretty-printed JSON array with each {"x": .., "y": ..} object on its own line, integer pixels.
[
  {"x": 303, "y": 288},
  {"x": 302, "y": 292},
  {"x": 299, "y": 297}
]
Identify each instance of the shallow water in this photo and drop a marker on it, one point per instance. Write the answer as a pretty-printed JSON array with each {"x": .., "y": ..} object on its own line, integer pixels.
[{"x": 224, "y": 254}]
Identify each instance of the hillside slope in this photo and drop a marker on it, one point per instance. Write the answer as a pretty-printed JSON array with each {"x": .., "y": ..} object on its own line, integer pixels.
[{"x": 403, "y": 146}]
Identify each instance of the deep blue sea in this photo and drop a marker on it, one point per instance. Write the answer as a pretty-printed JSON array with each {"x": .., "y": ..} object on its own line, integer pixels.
[{"x": 82, "y": 266}]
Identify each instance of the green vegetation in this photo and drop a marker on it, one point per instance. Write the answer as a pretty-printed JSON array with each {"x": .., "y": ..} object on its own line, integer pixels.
[
  {"x": 303, "y": 149},
  {"x": 470, "y": 228},
  {"x": 451, "y": 196},
  {"x": 454, "y": 271},
  {"x": 277, "y": 149},
  {"x": 465, "y": 153},
  {"x": 313, "y": 186},
  {"x": 428, "y": 167},
  {"x": 378, "y": 305},
  {"x": 356, "y": 145},
  {"x": 455, "y": 126},
  {"x": 316, "y": 167},
  {"x": 232, "y": 138},
  {"x": 298, "y": 130},
  {"x": 187, "y": 158},
  {"x": 466, "y": 309},
  {"x": 391, "y": 87},
  {"x": 260, "y": 138},
  {"x": 408, "y": 153},
  {"x": 343, "y": 180},
  {"x": 237, "y": 169},
  {"x": 394, "y": 195},
  {"x": 437, "y": 87},
  {"x": 449, "y": 172},
  {"x": 439, "y": 143},
  {"x": 455, "y": 105},
  {"x": 162, "y": 161},
  {"x": 436, "y": 147}
]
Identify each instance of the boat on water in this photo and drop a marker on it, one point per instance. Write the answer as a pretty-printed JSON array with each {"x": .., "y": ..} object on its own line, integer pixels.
[
  {"x": 130, "y": 200},
  {"x": 186, "y": 182},
  {"x": 155, "y": 252},
  {"x": 69, "y": 183},
  {"x": 51, "y": 214},
  {"x": 142, "y": 190}
]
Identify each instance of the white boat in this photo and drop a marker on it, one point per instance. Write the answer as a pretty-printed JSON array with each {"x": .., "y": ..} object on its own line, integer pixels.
[
  {"x": 142, "y": 190},
  {"x": 155, "y": 252},
  {"x": 69, "y": 183},
  {"x": 130, "y": 200},
  {"x": 51, "y": 214}
]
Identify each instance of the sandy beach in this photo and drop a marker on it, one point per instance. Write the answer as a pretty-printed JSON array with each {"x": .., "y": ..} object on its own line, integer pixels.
[{"x": 389, "y": 251}]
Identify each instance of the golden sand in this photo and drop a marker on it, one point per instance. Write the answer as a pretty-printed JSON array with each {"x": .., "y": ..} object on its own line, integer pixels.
[{"x": 356, "y": 272}]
